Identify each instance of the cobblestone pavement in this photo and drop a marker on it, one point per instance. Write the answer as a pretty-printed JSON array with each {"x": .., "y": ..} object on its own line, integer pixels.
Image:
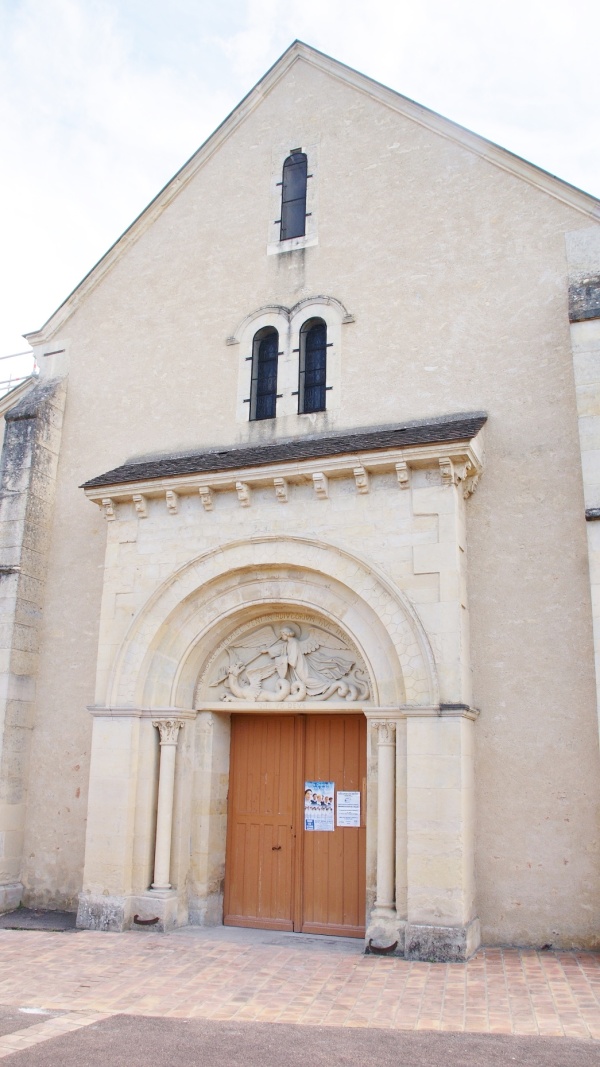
[{"x": 251, "y": 976}]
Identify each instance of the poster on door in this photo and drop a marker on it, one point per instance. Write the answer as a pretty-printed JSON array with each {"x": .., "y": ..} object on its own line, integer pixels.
[
  {"x": 348, "y": 808},
  {"x": 318, "y": 805}
]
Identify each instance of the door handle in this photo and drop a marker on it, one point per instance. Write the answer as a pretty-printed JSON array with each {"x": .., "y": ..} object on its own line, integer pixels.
[{"x": 276, "y": 848}]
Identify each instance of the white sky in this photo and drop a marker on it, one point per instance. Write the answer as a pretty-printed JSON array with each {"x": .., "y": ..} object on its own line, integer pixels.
[{"x": 101, "y": 101}]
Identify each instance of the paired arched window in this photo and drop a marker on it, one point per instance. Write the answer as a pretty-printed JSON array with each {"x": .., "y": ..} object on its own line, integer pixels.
[
  {"x": 293, "y": 196},
  {"x": 263, "y": 396},
  {"x": 312, "y": 381}
]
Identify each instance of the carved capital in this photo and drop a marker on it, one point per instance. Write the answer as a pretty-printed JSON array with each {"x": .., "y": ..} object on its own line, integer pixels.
[
  {"x": 206, "y": 497},
  {"x": 386, "y": 731},
  {"x": 168, "y": 730},
  {"x": 139, "y": 503}
]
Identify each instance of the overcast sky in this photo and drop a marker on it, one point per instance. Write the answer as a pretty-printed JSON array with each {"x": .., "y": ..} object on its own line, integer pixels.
[{"x": 101, "y": 101}]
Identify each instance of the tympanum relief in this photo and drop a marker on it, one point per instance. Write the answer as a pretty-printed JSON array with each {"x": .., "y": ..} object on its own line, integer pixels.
[{"x": 294, "y": 661}]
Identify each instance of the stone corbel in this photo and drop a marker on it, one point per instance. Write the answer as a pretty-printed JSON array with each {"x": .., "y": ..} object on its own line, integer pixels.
[
  {"x": 362, "y": 480},
  {"x": 140, "y": 505},
  {"x": 243, "y": 491},
  {"x": 108, "y": 505},
  {"x": 458, "y": 473},
  {"x": 206, "y": 497},
  {"x": 281, "y": 490},
  {"x": 321, "y": 486},
  {"x": 172, "y": 502},
  {"x": 403, "y": 474}
]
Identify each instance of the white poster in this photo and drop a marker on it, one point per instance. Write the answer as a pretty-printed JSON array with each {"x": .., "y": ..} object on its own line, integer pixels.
[
  {"x": 348, "y": 808},
  {"x": 318, "y": 805}
]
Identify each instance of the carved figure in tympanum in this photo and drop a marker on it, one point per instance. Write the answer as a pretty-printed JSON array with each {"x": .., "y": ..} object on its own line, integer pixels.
[{"x": 297, "y": 663}]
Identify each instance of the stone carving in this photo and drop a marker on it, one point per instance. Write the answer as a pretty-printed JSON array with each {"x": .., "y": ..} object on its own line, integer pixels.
[
  {"x": 139, "y": 503},
  {"x": 386, "y": 731},
  {"x": 281, "y": 490},
  {"x": 168, "y": 730},
  {"x": 243, "y": 491},
  {"x": 362, "y": 480},
  {"x": 455, "y": 473},
  {"x": 109, "y": 508},
  {"x": 321, "y": 485},
  {"x": 403, "y": 474},
  {"x": 294, "y": 662},
  {"x": 206, "y": 497},
  {"x": 172, "y": 502}
]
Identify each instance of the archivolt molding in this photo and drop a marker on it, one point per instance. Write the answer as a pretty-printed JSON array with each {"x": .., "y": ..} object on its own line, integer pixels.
[
  {"x": 170, "y": 640},
  {"x": 269, "y": 312}
]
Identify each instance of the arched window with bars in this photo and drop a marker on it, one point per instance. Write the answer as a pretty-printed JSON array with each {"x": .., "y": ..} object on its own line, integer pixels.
[
  {"x": 263, "y": 396},
  {"x": 312, "y": 382},
  {"x": 293, "y": 196}
]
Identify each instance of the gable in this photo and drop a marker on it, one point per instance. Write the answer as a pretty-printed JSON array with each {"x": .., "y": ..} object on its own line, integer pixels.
[{"x": 327, "y": 77}]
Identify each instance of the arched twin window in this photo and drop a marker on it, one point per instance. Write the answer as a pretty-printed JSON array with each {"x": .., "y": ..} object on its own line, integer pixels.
[
  {"x": 263, "y": 396},
  {"x": 312, "y": 381},
  {"x": 312, "y": 370}
]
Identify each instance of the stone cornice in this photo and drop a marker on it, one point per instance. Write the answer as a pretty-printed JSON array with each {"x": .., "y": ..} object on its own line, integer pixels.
[{"x": 459, "y": 463}]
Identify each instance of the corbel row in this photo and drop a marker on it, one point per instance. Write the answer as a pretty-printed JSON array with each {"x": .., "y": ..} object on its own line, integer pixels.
[{"x": 458, "y": 470}]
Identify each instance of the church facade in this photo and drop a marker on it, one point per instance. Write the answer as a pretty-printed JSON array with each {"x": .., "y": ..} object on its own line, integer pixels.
[{"x": 299, "y": 556}]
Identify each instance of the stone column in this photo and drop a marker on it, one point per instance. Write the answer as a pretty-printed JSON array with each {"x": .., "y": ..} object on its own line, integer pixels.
[
  {"x": 169, "y": 732},
  {"x": 386, "y": 812}
]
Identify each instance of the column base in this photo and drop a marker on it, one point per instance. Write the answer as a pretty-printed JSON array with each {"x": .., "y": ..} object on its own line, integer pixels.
[
  {"x": 442, "y": 944},
  {"x": 10, "y": 896},
  {"x": 161, "y": 904},
  {"x": 118, "y": 913},
  {"x": 385, "y": 933}
]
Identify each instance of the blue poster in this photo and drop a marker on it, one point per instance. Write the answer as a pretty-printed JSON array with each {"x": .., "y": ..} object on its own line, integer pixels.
[{"x": 318, "y": 805}]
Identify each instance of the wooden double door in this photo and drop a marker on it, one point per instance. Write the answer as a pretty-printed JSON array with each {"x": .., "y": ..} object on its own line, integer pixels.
[{"x": 279, "y": 875}]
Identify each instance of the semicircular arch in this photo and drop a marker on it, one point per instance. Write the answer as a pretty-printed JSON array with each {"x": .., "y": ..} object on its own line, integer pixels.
[{"x": 160, "y": 658}]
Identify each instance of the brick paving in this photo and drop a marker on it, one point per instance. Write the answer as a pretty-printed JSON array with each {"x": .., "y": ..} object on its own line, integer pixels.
[{"x": 196, "y": 975}]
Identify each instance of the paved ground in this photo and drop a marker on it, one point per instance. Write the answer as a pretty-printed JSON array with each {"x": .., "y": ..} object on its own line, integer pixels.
[
  {"x": 195, "y": 995},
  {"x": 30, "y": 919},
  {"x": 131, "y": 1041}
]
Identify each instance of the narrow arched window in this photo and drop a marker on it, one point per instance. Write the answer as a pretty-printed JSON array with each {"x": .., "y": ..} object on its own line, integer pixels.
[
  {"x": 263, "y": 397},
  {"x": 293, "y": 196},
  {"x": 313, "y": 366}
]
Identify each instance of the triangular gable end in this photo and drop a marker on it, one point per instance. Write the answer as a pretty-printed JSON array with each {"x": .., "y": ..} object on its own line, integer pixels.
[{"x": 431, "y": 120}]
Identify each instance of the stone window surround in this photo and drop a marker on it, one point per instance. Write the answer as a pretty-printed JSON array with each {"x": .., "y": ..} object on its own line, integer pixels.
[
  {"x": 288, "y": 322},
  {"x": 280, "y": 153}
]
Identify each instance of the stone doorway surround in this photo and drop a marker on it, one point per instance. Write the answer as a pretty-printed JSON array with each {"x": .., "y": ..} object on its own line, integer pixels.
[{"x": 155, "y": 846}]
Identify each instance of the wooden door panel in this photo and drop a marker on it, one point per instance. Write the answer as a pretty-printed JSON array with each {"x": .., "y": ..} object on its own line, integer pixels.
[
  {"x": 334, "y": 863},
  {"x": 321, "y": 887},
  {"x": 258, "y": 885}
]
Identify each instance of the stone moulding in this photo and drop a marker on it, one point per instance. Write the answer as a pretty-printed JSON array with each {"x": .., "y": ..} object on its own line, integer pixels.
[
  {"x": 137, "y": 674},
  {"x": 460, "y": 461}
]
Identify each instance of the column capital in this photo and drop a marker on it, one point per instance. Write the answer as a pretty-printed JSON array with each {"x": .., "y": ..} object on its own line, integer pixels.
[
  {"x": 168, "y": 729},
  {"x": 386, "y": 731}
]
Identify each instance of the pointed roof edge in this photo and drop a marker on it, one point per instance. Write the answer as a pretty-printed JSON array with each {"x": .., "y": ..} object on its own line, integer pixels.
[{"x": 503, "y": 158}]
